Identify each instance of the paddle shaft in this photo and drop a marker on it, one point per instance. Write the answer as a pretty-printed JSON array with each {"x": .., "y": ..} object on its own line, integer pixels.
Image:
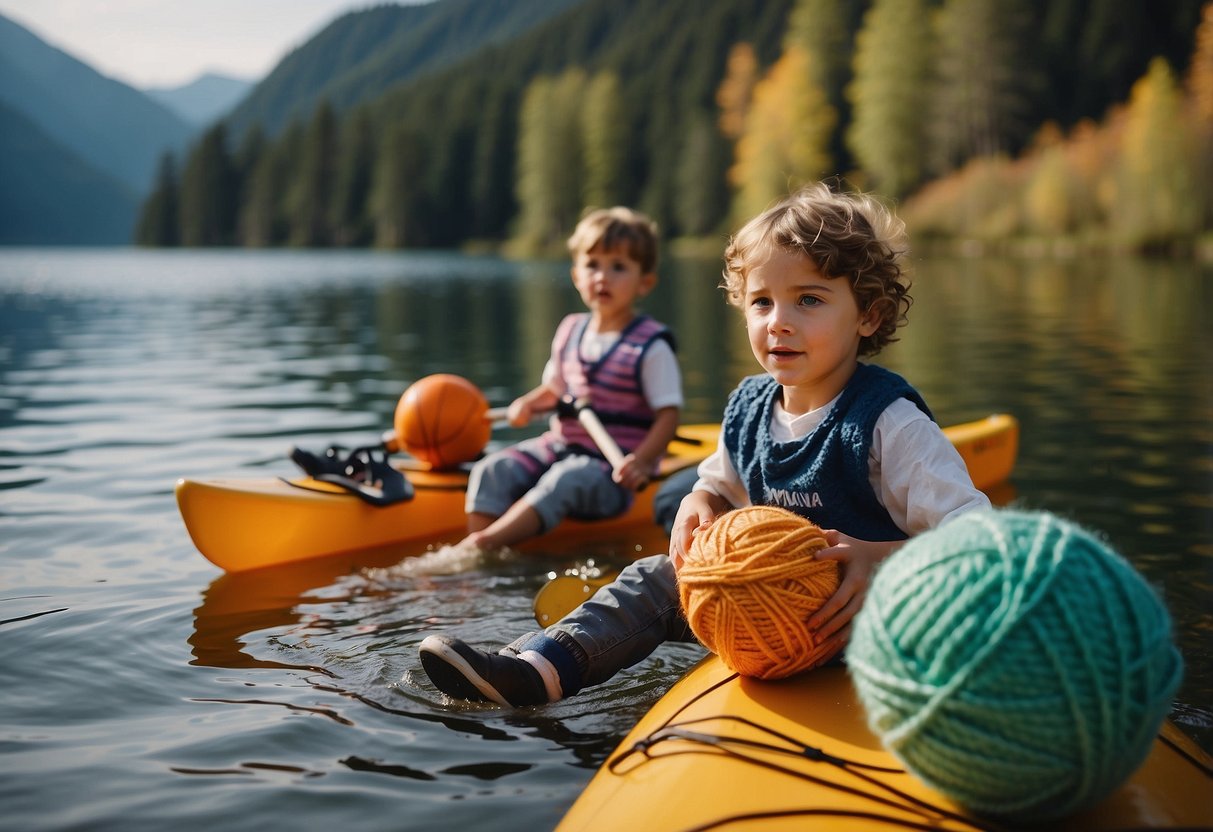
[{"x": 594, "y": 427}]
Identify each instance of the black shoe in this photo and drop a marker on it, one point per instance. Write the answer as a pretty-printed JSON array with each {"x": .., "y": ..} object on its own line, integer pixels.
[{"x": 463, "y": 672}]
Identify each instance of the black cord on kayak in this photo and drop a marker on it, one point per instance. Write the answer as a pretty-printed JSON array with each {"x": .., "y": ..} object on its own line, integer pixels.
[
  {"x": 729, "y": 746},
  {"x": 926, "y": 826}
]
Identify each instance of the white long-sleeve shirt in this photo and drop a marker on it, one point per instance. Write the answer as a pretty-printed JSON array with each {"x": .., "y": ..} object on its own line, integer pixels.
[{"x": 917, "y": 474}]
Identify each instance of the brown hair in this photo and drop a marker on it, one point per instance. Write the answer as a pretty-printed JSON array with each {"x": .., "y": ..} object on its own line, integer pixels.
[
  {"x": 845, "y": 235},
  {"x": 616, "y": 227}
]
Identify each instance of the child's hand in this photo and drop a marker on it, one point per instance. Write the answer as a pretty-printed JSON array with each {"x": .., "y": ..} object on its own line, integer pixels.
[
  {"x": 520, "y": 412},
  {"x": 633, "y": 472},
  {"x": 857, "y": 561},
  {"x": 696, "y": 511}
]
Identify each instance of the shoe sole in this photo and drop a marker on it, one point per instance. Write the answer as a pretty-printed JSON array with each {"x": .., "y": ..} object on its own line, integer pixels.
[{"x": 448, "y": 670}]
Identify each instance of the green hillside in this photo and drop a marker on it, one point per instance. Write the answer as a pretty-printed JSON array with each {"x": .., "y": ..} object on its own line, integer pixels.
[
  {"x": 51, "y": 197},
  {"x": 620, "y": 101},
  {"x": 362, "y": 54}
]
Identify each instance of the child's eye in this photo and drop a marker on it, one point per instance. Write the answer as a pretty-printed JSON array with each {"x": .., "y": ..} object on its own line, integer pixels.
[
  {"x": 760, "y": 302},
  {"x": 809, "y": 300}
]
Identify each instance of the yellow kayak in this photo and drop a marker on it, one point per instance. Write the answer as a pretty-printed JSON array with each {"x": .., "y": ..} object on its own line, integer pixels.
[
  {"x": 719, "y": 751},
  {"x": 241, "y": 524}
]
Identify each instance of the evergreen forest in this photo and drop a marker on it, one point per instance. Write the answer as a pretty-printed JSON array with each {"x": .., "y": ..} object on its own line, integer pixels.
[{"x": 1055, "y": 123}]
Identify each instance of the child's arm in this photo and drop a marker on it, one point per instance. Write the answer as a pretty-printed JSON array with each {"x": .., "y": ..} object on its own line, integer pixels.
[
  {"x": 922, "y": 481},
  {"x": 638, "y": 466},
  {"x": 523, "y": 409}
]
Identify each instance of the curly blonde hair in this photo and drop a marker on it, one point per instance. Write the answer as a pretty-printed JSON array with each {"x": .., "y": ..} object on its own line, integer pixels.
[{"x": 847, "y": 235}]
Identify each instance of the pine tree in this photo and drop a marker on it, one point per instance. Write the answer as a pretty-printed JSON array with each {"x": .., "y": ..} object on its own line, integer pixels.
[
  {"x": 492, "y": 176},
  {"x": 984, "y": 82},
  {"x": 159, "y": 220},
  {"x": 549, "y": 159},
  {"x": 397, "y": 198},
  {"x": 604, "y": 139},
  {"x": 252, "y": 149},
  {"x": 209, "y": 193},
  {"x": 826, "y": 30},
  {"x": 355, "y": 167},
  {"x": 263, "y": 220},
  {"x": 889, "y": 95},
  {"x": 310, "y": 196}
]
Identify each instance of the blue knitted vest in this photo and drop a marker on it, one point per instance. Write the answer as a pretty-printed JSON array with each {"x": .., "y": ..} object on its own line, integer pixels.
[{"x": 822, "y": 476}]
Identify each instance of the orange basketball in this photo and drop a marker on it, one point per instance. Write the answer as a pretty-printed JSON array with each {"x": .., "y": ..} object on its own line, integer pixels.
[{"x": 441, "y": 419}]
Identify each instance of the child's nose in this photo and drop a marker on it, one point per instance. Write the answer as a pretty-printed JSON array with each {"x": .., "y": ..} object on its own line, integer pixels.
[{"x": 779, "y": 320}]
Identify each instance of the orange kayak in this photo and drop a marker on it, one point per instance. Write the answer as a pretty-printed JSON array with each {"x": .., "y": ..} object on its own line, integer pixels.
[
  {"x": 719, "y": 751},
  {"x": 241, "y": 524}
]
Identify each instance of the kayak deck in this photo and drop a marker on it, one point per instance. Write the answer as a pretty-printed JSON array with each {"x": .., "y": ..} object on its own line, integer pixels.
[
  {"x": 721, "y": 751},
  {"x": 242, "y": 524}
]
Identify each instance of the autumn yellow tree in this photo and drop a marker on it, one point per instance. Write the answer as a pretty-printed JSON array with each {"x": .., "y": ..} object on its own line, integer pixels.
[
  {"x": 1156, "y": 197},
  {"x": 1049, "y": 198},
  {"x": 737, "y": 89},
  {"x": 786, "y": 134}
]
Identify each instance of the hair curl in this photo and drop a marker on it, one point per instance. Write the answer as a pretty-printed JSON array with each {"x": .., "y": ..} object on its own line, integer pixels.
[{"x": 849, "y": 235}]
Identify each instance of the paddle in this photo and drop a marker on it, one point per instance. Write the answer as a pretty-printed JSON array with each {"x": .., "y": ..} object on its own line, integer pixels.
[
  {"x": 564, "y": 593},
  {"x": 580, "y": 409}
]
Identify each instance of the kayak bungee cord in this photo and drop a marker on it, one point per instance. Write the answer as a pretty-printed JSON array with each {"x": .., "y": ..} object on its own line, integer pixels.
[
  {"x": 829, "y": 813},
  {"x": 732, "y": 747}
]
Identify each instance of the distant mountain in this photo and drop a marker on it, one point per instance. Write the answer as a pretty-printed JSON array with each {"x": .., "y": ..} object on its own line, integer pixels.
[
  {"x": 51, "y": 197},
  {"x": 360, "y": 55},
  {"x": 116, "y": 129},
  {"x": 203, "y": 100}
]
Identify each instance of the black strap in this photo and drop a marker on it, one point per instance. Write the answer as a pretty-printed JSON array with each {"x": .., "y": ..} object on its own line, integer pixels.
[{"x": 364, "y": 472}]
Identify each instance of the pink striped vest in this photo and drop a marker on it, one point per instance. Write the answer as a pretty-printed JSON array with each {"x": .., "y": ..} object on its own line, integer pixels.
[{"x": 612, "y": 383}]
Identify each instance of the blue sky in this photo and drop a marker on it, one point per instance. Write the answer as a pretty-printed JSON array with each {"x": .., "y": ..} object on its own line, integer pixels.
[{"x": 165, "y": 43}]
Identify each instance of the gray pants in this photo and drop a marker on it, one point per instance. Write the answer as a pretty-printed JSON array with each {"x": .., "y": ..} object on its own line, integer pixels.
[
  {"x": 550, "y": 477},
  {"x": 623, "y": 622}
]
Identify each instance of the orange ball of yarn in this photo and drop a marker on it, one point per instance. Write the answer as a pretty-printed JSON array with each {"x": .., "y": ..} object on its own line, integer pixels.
[
  {"x": 748, "y": 586},
  {"x": 441, "y": 419}
]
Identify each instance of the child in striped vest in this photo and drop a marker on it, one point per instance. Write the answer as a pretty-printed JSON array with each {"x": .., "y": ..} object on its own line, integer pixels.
[{"x": 619, "y": 361}]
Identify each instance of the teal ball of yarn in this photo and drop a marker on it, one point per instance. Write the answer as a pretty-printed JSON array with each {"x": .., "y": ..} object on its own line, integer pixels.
[{"x": 1014, "y": 663}]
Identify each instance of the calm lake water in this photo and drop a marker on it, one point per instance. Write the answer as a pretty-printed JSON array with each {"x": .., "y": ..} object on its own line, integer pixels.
[{"x": 142, "y": 689}]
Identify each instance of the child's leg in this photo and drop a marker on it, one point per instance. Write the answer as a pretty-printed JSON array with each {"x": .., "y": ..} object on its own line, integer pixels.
[
  {"x": 519, "y": 522},
  {"x": 577, "y": 486},
  {"x": 623, "y": 623},
  {"x": 620, "y": 625},
  {"x": 498, "y": 480}
]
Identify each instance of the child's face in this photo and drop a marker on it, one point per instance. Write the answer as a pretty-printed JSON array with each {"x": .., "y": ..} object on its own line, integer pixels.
[
  {"x": 804, "y": 328},
  {"x": 609, "y": 282}
]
